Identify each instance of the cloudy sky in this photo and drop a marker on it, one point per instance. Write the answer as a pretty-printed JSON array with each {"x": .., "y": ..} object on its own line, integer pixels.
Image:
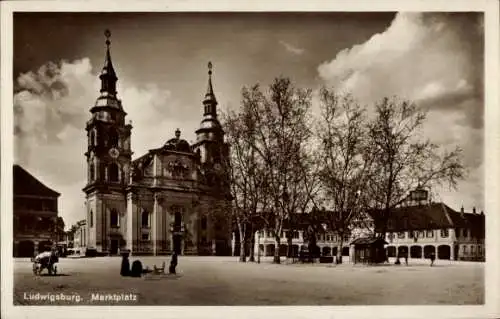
[{"x": 161, "y": 60}]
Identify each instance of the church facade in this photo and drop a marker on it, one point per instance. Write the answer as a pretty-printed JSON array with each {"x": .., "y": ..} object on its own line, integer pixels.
[{"x": 173, "y": 198}]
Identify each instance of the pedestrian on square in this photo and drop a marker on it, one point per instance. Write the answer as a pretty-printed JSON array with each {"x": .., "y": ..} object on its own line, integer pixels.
[
  {"x": 125, "y": 267},
  {"x": 432, "y": 257},
  {"x": 406, "y": 259},
  {"x": 173, "y": 263},
  {"x": 137, "y": 269}
]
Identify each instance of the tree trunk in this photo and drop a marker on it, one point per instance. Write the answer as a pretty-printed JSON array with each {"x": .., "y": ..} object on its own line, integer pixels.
[
  {"x": 277, "y": 250},
  {"x": 243, "y": 255},
  {"x": 339, "y": 249},
  {"x": 252, "y": 248},
  {"x": 289, "y": 252}
]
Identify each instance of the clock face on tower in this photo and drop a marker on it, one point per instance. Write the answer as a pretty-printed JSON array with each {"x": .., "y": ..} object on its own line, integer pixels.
[{"x": 114, "y": 153}]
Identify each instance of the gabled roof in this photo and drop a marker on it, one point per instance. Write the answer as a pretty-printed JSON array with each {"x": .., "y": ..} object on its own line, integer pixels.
[
  {"x": 27, "y": 184},
  {"x": 429, "y": 216}
]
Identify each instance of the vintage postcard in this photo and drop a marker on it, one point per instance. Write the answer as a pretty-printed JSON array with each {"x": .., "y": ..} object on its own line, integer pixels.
[{"x": 204, "y": 160}]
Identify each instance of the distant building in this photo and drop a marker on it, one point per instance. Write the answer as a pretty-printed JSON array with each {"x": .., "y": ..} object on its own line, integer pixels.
[
  {"x": 80, "y": 237},
  {"x": 420, "y": 230},
  {"x": 35, "y": 214},
  {"x": 173, "y": 198},
  {"x": 327, "y": 241},
  {"x": 417, "y": 228}
]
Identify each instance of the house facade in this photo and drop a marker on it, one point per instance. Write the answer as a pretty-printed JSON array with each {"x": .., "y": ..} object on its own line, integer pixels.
[
  {"x": 80, "y": 237},
  {"x": 436, "y": 228},
  {"x": 326, "y": 240},
  {"x": 35, "y": 214},
  {"x": 416, "y": 229},
  {"x": 173, "y": 198}
]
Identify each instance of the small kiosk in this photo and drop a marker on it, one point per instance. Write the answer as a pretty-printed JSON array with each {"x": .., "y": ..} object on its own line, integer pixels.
[{"x": 368, "y": 250}]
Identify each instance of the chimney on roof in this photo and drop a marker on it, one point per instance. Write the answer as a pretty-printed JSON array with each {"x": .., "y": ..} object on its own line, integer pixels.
[
  {"x": 474, "y": 210},
  {"x": 462, "y": 210},
  {"x": 482, "y": 213}
]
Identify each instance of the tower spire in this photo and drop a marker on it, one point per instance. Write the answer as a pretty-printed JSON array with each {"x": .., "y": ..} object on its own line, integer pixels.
[
  {"x": 108, "y": 75},
  {"x": 210, "y": 101}
]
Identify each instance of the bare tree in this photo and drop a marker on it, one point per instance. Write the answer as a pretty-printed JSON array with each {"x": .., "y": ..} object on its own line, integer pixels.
[
  {"x": 345, "y": 162},
  {"x": 245, "y": 173},
  {"x": 281, "y": 133},
  {"x": 404, "y": 159}
]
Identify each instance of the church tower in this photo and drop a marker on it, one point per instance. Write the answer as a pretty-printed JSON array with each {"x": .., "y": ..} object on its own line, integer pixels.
[
  {"x": 108, "y": 160},
  {"x": 210, "y": 144}
]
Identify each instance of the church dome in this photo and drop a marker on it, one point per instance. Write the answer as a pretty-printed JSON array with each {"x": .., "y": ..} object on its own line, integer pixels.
[{"x": 177, "y": 144}]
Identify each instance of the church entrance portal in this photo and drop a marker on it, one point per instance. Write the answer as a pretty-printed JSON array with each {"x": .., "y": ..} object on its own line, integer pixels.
[{"x": 113, "y": 247}]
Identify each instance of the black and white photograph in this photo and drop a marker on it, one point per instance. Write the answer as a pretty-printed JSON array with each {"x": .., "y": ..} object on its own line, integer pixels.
[{"x": 250, "y": 157}]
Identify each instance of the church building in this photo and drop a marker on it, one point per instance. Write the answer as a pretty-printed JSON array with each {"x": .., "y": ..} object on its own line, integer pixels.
[{"x": 173, "y": 198}]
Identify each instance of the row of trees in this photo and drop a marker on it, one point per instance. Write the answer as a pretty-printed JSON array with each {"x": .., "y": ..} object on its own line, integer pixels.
[{"x": 285, "y": 160}]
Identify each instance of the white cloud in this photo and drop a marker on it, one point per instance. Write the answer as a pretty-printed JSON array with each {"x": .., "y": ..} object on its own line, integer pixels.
[
  {"x": 292, "y": 49},
  {"x": 434, "y": 60},
  {"x": 51, "y": 108}
]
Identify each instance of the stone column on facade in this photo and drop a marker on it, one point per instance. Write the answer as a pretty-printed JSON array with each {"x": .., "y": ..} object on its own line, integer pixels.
[
  {"x": 256, "y": 243},
  {"x": 155, "y": 170},
  {"x": 352, "y": 259},
  {"x": 452, "y": 244},
  {"x": 171, "y": 243},
  {"x": 129, "y": 236},
  {"x": 423, "y": 252},
  {"x": 154, "y": 223}
]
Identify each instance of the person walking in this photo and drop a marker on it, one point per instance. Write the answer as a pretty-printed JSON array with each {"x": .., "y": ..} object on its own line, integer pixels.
[{"x": 432, "y": 257}]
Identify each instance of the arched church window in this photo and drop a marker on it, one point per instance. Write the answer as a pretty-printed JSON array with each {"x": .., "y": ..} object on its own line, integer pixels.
[
  {"x": 113, "y": 172},
  {"x": 114, "y": 218},
  {"x": 91, "y": 218},
  {"x": 113, "y": 138},
  {"x": 145, "y": 219}
]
